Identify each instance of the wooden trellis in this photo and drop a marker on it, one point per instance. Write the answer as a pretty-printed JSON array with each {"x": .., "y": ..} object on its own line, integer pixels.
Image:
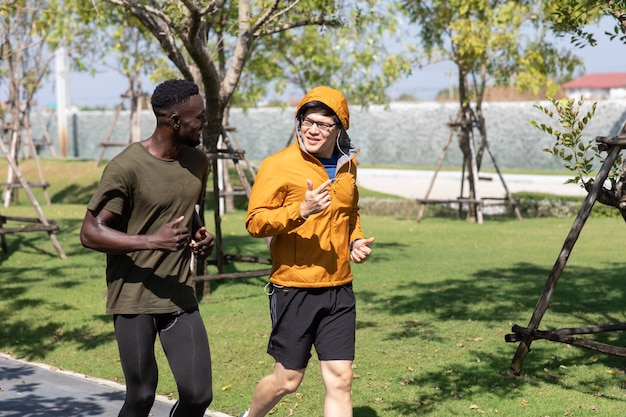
[
  {"x": 136, "y": 97},
  {"x": 19, "y": 127},
  {"x": 221, "y": 190},
  {"x": 39, "y": 224},
  {"x": 525, "y": 335},
  {"x": 464, "y": 125},
  {"x": 20, "y": 138}
]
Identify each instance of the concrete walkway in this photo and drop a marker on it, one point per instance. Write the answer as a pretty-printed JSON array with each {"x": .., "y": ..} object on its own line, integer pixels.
[
  {"x": 37, "y": 390},
  {"x": 447, "y": 185}
]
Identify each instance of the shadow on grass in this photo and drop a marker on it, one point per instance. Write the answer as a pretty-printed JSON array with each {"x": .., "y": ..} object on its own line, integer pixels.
[
  {"x": 74, "y": 194},
  {"x": 33, "y": 336},
  {"x": 240, "y": 245},
  {"x": 364, "y": 411},
  {"x": 492, "y": 296}
]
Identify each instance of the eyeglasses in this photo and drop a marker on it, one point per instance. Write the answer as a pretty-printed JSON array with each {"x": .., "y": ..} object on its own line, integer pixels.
[{"x": 324, "y": 127}]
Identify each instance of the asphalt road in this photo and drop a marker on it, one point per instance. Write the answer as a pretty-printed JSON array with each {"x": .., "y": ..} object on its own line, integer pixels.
[{"x": 37, "y": 390}]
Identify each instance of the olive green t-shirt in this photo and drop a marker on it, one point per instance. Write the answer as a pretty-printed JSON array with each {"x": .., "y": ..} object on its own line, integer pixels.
[{"x": 148, "y": 192}]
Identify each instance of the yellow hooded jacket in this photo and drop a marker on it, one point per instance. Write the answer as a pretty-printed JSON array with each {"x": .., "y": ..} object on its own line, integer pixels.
[{"x": 312, "y": 252}]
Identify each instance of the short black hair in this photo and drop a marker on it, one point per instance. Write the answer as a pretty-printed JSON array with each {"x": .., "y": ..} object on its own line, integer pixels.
[
  {"x": 171, "y": 93},
  {"x": 319, "y": 107}
]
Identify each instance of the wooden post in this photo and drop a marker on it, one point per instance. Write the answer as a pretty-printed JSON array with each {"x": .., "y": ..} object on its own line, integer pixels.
[
  {"x": 478, "y": 208},
  {"x": 509, "y": 196},
  {"x": 442, "y": 155},
  {"x": 557, "y": 269},
  {"x": 33, "y": 201}
]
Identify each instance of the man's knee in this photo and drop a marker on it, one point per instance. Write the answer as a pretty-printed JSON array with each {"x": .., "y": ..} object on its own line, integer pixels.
[
  {"x": 198, "y": 398},
  {"x": 140, "y": 403},
  {"x": 337, "y": 375},
  {"x": 290, "y": 386},
  {"x": 287, "y": 379}
]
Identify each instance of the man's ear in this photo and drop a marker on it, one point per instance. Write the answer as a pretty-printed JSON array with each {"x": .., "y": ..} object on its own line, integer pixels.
[{"x": 175, "y": 120}]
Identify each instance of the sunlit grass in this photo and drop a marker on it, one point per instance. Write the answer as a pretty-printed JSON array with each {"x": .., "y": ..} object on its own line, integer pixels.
[{"x": 434, "y": 304}]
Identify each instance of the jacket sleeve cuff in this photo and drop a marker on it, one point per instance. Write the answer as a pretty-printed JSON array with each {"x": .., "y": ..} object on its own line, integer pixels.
[{"x": 352, "y": 243}]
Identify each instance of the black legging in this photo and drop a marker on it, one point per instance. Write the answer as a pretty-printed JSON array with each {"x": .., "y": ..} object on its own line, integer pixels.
[{"x": 186, "y": 347}]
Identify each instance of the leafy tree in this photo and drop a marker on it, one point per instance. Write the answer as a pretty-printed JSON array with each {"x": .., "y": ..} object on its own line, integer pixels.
[
  {"x": 572, "y": 16},
  {"x": 352, "y": 56},
  {"x": 29, "y": 33},
  {"x": 495, "y": 42},
  {"x": 578, "y": 155},
  {"x": 260, "y": 45},
  {"x": 126, "y": 47}
]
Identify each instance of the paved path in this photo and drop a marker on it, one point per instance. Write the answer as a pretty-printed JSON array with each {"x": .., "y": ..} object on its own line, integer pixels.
[
  {"x": 36, "y": 390},
  {"x": 447, "y": 185}
]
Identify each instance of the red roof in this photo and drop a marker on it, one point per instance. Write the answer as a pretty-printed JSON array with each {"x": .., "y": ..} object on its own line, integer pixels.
[{"x": 603, "y": 80}]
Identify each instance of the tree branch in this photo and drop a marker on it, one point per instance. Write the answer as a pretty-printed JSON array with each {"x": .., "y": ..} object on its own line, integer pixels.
[
  {"x": 212, "y": 7},
  {"x": 267, "y": 16},
  {"x": 158, "y": 24},
  {"x": 299, "y": 23}
]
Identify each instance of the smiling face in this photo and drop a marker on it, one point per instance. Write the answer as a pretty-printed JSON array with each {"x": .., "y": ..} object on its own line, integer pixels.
[
  {"x": 190, "y": 119},
  {"x": 319, "y": 133}
]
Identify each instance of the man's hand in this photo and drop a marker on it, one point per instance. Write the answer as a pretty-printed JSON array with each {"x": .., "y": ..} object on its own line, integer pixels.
[
  {"x": 203, "y": 244},
  {"x": 361, "y": 250},
  {"x": 170, "y": 238},
  {"x": 315, "y": 200}
]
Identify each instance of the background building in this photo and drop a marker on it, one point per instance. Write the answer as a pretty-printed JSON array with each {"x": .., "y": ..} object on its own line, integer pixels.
[{"x": 609, "y": 85}]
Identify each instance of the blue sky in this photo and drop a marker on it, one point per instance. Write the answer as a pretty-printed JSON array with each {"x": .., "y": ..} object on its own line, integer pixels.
[{"x": 106, "y": 87}]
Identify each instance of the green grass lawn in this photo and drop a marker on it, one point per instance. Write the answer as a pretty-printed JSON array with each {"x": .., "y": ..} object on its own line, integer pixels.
[{"x": 434, "y": 304}]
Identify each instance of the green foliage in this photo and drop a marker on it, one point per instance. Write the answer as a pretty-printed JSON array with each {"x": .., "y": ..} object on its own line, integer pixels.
[
  {"x": 549, "y": 205},
  {"x": 578, "y": 155},
  {"x": 352, "y": 56},
  {"x": 123, "y": 43},
  {"x": 499, "y": 40},
  {"x": 571, "y": 16},
  {"x": 25, "y": 27}
]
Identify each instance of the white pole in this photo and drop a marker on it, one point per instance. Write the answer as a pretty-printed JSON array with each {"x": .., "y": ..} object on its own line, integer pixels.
[{"x": 61, "y": 84}]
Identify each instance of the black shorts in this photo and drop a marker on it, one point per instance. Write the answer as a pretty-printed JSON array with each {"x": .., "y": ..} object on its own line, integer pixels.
[{"x": 320, "y": 317}]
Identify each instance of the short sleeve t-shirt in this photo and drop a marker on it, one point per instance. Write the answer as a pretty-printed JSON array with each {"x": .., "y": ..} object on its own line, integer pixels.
[{"x": 148, "y": 192}]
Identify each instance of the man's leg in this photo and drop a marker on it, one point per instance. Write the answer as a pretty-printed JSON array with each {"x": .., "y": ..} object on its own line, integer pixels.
[
  {"x": 273, "y": 387},
  {"x": 337, "y": 376},
  {"x": 186, "y": 346},
  {"x": 135, "y": 339}
]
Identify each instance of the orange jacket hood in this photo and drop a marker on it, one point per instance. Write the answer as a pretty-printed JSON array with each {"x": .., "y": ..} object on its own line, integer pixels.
[{"x": 333, "y": 99}]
